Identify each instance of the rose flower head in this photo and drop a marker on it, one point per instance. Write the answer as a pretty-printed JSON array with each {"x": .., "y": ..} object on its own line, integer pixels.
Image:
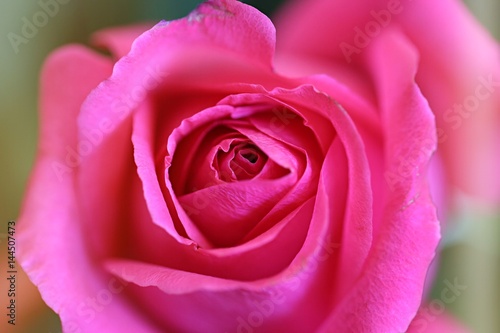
[{"x": 200, "y": 181}]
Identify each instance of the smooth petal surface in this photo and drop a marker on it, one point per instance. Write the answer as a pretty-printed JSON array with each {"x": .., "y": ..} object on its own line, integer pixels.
[
  {"x": 216, "y": 29},
  {"x": 52, "y": 247},
  {"x": 391, "y": 278},
  {"x": 465, "y": 95},
  {"x": 459, "y": 71}
]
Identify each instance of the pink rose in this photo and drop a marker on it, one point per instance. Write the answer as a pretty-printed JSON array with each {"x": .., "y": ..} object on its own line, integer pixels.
[{"x": 188, "y": 187}]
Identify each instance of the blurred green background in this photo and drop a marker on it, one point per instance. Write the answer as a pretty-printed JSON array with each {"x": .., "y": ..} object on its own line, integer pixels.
[{"x": 471, "y": 252}]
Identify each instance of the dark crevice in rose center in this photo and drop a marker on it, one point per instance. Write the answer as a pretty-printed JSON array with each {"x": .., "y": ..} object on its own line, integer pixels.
[
  {"x": 251, "y": 157},
  {"x": 244, "y": 160}
]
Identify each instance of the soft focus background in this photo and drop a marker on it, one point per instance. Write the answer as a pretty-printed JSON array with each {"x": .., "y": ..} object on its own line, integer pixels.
[{"x": 470, "y": 251}]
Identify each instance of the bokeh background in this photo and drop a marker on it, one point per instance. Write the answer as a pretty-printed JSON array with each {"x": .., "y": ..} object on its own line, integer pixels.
[{"x": 470, "y": 249}]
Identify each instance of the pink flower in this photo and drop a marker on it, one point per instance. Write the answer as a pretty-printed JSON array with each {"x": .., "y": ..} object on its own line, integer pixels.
[{"x": 189, "y": 187}]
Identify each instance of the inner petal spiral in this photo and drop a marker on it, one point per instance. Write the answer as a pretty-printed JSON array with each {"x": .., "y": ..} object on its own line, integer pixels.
[
  {"x": 233, "y": 176},
  {"x": 243, "y": 161}
]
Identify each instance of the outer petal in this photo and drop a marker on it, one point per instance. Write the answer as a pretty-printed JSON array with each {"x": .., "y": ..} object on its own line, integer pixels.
[
  {"x": 233, "y": 33},
  {"x": 317, "y": 28},
  {"x": 139, "y": 74},
  {"x": 51, "y": 245},
  {"x": 460, "y": 66},
  {"x": 404, "y": 246},
  {"x": 459, "y": 71}
]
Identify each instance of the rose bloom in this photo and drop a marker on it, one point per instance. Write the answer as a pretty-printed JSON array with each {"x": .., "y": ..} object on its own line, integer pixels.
[{"x": 199, "y": 182}]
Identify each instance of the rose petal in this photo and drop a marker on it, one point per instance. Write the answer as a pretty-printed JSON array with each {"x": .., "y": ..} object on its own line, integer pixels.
[
  {"x": 409, "y": 217},
  {"x": 220, "y": 33},
  {"x": 285, "y": 239},
  {"x": 226, "y": 213},
  {"x": 458, "y": 65},
  {"x": 352, "y": 226},
  {"x": 309, "y": 38},
  {"x": 53, "y": 256},
  {"x": 144, "y": 156}
]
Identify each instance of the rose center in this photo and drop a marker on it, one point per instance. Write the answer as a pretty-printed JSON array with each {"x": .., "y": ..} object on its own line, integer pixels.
[
  {"x": 243, "y": 160},
  {"x": 251, "y": 157}
]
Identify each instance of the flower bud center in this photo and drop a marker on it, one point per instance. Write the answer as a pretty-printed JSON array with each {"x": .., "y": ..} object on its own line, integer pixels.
[{"x": 243, "y": 160}]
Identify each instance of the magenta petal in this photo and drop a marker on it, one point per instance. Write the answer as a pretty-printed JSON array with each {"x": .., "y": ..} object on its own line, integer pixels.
[
  {"x": 171, "y": 281},
  {"x": 324, "y": 26},
  {"x": 459, "y": 74},
  {"x": 191, "y": 147},
  {"x": 225, "y": 213},
  {"x": 409, "y": 217},
  {"x": 189, "y": 296},
  {"x": 244, "y": 30},
  {"x": 218, "y": 32},
  {"x": 351, "y": 226},
  {"x": 242, "y": 25},
  {"x": 144, "y": 156},
  {"x": 55, "y": 258},
  {"x": 244, "y": 263},
  {"x": 458, "y": 65}
]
